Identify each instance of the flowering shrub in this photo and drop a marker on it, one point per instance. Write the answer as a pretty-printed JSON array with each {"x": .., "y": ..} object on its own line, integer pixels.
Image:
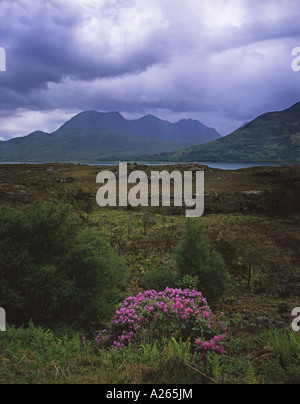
[{"x": 151, "y": 316}]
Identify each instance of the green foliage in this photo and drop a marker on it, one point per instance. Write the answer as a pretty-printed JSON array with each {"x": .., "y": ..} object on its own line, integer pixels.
[
  {"x": 44, "y": 343},
  {"x": 81, "y": 201},
  {"x": 37, "y": 355},
  {"x": 286, "y": 347},
  {"x": 150, "y": 353},
  {"x": 228, "y": 251},
  {"x": 189, "y": 282},
  {"x": 159, "y": 279},
  {"x": 214, "y": 364},
  {"x": 54, "y": 272},
  {"x": 179, "y": 349},
  {"x": 251, "y": 377},
  {"x": 283, "y": 308},
  {"x": 195, "y": 257},
  {"x": 29, "y": 355},
  {"x": 147, "y": 219}
]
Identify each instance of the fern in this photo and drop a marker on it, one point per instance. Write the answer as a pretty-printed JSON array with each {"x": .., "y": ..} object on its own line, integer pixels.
[
  {"x": 251, "y": 376},
  {"x": 286, "y": 347},
  {"x": 150, "y": 353},
  {"x": 216, "y": 368},
  {"x": 179, "y": 349}
]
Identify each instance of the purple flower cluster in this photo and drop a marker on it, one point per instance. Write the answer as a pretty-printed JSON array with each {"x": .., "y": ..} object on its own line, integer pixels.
[
  {"x": 160, "y": 315},
  {"x": 214, "y": 344}
]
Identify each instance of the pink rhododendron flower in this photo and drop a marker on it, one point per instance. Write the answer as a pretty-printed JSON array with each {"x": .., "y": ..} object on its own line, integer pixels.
[{"x": 152, "y": 316}]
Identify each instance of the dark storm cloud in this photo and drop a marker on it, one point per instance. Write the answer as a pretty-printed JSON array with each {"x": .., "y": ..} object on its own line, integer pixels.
[
  {"x": 222, "y": 62},
  {"x": 42, "y": 39}
]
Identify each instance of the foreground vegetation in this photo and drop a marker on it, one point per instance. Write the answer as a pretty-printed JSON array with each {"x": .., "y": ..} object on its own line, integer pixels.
[
  {"x": 34, "y": 356},
  {"x": 74, "y": 285}
]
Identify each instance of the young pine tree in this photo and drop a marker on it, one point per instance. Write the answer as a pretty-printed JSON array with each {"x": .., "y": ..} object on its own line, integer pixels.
[
  {"x": 194, "y": 256},
  {"x": 54, "y": 271}
]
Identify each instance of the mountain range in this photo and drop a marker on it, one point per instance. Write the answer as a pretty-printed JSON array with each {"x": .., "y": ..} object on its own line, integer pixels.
[
  {"x": 93, "y": 137},
  {"x": 99, "y": 137},
  {"x": 272, "y": 137}
]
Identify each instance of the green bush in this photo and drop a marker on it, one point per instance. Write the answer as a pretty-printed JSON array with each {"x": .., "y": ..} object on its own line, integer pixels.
[
  {"x": 159, "y": 279},
  {"x": 152, "y": 316},
  {"x": 195, "y": 257},
  {"x": 189, "y": 282},
  {"x": 52, "y": 271}
]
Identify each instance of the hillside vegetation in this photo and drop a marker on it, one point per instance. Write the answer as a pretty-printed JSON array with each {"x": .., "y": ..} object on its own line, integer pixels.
[{"x": 251, "y": 223}]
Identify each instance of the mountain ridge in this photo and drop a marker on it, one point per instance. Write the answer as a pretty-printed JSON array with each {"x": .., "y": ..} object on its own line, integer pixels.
[
  {"x": 271, "y": 137},
  {"x": 92, "y": 136}
]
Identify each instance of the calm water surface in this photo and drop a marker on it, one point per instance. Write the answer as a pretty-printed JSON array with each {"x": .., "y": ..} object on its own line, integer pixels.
[{"x": 222, "y": 166}]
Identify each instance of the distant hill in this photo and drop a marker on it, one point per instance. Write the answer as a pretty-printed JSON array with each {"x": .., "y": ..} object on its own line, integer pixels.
[
  {"x": 94, "y": 136},
  {"x": 272, "y": 137}
]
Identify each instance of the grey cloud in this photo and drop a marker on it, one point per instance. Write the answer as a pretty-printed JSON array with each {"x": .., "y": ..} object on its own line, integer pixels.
[
  {"x": 149, "y": 55},
  {"x": 42, "y": 47}
]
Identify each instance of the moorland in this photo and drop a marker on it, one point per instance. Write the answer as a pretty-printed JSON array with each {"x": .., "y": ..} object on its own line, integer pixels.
[{"x": 251, "y": 220}]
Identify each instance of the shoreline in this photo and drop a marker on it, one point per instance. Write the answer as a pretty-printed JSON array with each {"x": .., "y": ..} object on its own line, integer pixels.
[{"x": 216, "y": 165}]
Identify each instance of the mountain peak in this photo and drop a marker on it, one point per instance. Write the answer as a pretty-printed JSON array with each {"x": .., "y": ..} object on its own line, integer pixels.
[
  {"x": 92, "y": 135},
  {"x": 38, "y": 133},
  {"x": 96, "y": 114},
  {"x": 149, "y": 117},
  {"x": 189, "y": 122},
  {"x": 272, "y": 137}
]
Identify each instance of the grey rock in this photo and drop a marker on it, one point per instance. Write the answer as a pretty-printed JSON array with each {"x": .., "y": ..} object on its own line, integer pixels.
[{"x": 262, "y": 320}]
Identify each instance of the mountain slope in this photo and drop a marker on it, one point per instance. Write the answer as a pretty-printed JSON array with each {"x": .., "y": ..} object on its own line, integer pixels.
[
  {"x": 93, "y": 136},
  {"x": 272, "y": 137},
  {"x": 189, "y": 130}
]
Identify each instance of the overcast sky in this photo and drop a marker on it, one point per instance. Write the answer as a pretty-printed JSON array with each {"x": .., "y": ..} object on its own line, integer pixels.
[{"x": 223, "y": 62}]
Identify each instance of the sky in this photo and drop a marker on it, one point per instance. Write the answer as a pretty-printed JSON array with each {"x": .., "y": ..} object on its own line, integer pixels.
[{"x": 222, "y": 62}]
